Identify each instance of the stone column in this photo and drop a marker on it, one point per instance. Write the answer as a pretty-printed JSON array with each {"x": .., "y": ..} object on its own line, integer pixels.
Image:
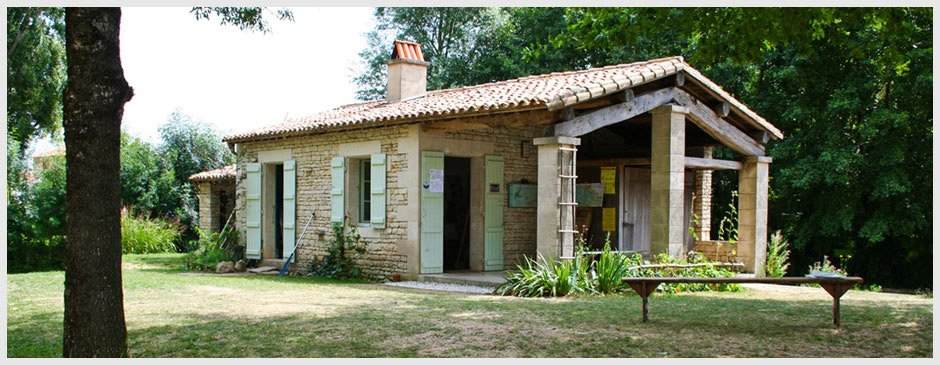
[
  {"x": 208, "y": 208},
  {"x": 702, "y": 206},
  {"x": 752, "y": 212},
  {"x": 549, "y": 242},
  {"x": 667, "y": 180}
]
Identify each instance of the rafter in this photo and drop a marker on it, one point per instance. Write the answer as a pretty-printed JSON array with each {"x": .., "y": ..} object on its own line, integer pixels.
[{"x": 613, "y": 114}]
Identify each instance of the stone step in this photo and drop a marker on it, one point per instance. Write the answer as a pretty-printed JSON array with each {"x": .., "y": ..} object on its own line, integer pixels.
[
  {"x": 278, "y": 263},
  {"x": 491, "y": 280}
]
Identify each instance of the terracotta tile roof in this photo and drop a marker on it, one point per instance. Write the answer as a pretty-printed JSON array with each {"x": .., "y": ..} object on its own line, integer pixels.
[
  {"x": 407, "y": 50},
  {"x": 225, "y": 173},
  {"x": 549, "y": 91}
]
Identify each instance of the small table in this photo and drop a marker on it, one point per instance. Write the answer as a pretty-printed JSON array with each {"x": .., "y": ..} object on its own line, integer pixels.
[{"x": 836, "y": 287}]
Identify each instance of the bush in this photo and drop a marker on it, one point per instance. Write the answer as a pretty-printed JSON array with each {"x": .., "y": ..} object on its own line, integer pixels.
[
  {"x": 692, "y": 258},
  {"x": 213, "y": 248},
  {"x": 335, "y": 264},
  {"x": 140, "y": 234},
  {"x": 777, "y": 256},
  {"x": 35, "y": 213},
  {"x": 545, "y": 277}
]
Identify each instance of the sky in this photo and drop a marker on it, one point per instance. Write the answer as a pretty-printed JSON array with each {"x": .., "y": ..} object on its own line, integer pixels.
[{"x": 234, "y": 79}]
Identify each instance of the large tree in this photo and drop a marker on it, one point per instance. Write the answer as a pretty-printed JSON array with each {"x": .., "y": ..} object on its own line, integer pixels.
[
  {"x": 93, "y": 106},
  {"x": 448, "y": 37},
  {"x": 94, "y": 99},
  {"x": 35, "y": 73}
]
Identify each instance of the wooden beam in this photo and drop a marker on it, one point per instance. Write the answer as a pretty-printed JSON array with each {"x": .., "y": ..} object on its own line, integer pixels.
[
  {"x": 721, "y": 109},
  {"x": 760, "y": 136},
  {"x": 633, "y": 161},
  {"x": 711, "y": 164},
  {"x": 626, "y": 95},
  {"x": 680, "y": 79},
  {"x": 567, "y": 113},
  {"x": 613, "y": 114},
  {"x": 535, "y": 117},
  {"x": 718, "y": 128}
]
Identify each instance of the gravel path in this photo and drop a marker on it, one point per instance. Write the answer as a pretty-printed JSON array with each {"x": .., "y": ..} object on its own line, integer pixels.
[{"x": 459, "y": 288}]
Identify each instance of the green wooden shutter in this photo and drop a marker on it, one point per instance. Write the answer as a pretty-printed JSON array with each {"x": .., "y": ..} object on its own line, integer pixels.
[
  {"x": 289, "y": 218},
  {"x": 253, "y": 211},
  {"x": 378, "y": 191},
  {"x": 337, "y": 194},
  {"x": 493, "y": 213},
  {"x": 432, "y": 215}
]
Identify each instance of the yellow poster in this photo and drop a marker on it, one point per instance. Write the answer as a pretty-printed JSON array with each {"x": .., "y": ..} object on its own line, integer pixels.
[
  {"x": 610, "y": 219},
  {"x": 609, "y": 179}
]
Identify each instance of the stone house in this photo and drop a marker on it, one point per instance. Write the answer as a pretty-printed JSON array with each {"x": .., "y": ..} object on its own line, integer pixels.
[{"x": 477, "y": 177}]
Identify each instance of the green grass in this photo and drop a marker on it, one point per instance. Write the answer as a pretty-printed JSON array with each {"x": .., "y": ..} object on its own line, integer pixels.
[{"x": 173, "y": 315}]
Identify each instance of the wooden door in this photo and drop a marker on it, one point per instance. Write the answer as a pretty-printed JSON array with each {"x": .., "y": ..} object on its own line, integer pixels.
[
  {"x": 432, "y": 212},
  {"x": 635, "y": 218},
  {"x": 493, "y": 213}
]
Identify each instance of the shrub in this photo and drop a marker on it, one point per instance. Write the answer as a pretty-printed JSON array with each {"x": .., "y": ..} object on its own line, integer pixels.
[
  {"x": 703, "y": 271},
  {"x": 545, "y": 277},
  {"x": 213, "y": 248},
  {"x": 777, "y": 256},
  {"x": 335, "y": 264},
  {"x": 610, "y": 269},
  {"x": 140, "y": 234}
]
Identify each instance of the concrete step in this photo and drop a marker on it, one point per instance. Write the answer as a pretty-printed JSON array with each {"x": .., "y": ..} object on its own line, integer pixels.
[
  {"x": 488, "y": 279},
  {"x": 278, "y": 263}
]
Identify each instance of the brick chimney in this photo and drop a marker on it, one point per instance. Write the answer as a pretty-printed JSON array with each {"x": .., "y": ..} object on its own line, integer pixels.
[{"x": 407, "y": 72}]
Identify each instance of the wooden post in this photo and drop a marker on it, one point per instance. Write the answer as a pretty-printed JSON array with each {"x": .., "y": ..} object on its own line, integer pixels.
[
  {"x": 644, "y": 290},
  {"x": 836, "y": 290}
]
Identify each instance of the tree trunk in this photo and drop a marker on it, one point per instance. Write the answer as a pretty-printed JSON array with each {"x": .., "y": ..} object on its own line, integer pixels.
[{"x": 93, "y": 107}]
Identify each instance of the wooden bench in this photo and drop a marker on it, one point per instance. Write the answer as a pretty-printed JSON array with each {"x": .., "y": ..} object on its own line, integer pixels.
[{"x": 836, "y": 287}]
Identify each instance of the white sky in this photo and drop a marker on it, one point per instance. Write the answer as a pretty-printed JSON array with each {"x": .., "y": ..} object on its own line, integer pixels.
[{"x": 236, "y": 80}]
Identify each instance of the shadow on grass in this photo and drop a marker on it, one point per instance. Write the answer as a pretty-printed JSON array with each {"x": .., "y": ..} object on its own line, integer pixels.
[{"x": 401, "y": 323}]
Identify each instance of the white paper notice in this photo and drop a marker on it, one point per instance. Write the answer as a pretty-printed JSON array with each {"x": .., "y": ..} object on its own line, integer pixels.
[{"x": 437, "y": 181}]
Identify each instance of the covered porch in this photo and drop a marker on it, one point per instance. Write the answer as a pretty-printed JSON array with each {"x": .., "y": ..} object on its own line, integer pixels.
[{"x": 650, "y": 147}]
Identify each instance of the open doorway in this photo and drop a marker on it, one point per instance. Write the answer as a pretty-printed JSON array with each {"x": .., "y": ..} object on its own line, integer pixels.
[
  {"x": 279, "y": 212},
  {"x": 273, "y": 212},
  {"x": 456, "y": 213}
]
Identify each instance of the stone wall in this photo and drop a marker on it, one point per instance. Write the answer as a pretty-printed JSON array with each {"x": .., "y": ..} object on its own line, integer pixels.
[
  {"x": 313, "y": 154},
  {"x": 721, "y": 251},
  {"x": 394, "y": 249},
  {"x": 514, "y": 144},
  {"x": 215, "y": 204}
]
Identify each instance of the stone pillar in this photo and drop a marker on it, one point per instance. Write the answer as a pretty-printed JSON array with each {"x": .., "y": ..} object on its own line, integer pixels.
[
  {"x": 667, "y": 181},
  {"x": 208, "y": 208},
  {"x": 752, "y": 212},
  {"x": 550, "y": 242},
  {"x": 702, "y": 205}
]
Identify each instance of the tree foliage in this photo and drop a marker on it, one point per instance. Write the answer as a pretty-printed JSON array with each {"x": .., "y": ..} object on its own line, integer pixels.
[
  {"x": 447, "y": 35},
  {"x": 35, "y": 72},
  {"x": 245, "y": 18}
]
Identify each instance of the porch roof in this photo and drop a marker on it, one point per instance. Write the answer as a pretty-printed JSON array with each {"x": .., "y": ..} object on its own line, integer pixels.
[
  {"x": 222, "y": 174},
  {"x": 548, "y": 91}
]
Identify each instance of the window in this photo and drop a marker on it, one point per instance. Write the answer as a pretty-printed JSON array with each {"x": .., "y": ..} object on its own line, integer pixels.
[{"x": 365, "y": 191}]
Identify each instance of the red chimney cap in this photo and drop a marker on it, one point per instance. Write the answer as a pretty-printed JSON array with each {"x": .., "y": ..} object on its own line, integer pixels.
[{"x": 407, "y": 50}]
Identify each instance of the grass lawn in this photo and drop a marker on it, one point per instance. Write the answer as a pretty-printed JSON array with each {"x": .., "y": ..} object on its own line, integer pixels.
[{"x": 174, "y": 315}]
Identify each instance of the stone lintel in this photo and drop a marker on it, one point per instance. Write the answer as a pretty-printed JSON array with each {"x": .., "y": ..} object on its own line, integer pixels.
[{"x": 574, "y": 141}]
